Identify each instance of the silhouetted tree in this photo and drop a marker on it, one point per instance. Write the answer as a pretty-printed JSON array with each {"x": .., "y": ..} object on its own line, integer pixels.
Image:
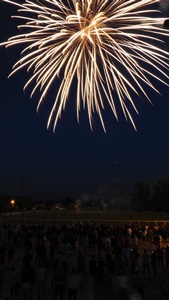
[
  {"x": 68, "y": 202},
  {"x": 141, "y": 197},
  {"x": 160, "y": 195}
]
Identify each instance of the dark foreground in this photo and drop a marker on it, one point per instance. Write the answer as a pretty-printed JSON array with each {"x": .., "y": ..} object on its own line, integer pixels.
[{"x": 36, "y": 259}]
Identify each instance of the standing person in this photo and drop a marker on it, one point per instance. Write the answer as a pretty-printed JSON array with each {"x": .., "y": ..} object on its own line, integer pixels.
[
  {"x": 100, "y": 245},
  {"x": 2, "y": 255},
  {"x": 167, "y": 256},
  {"x": 25, "y": 283},
  {"x": 81, "y": 263},
  {"x": 93, "y": 266},
  {"x": 14, "y": 281},
  {"x": 1, "y": 277},
  {"x": 122, "y": 286},
  {"x": 41, "y": 282},
  {"x": 154, "y": 262},
  {"x": 11, "y": 256},
  {"x": 135, "y": 242},
  {"x": 73, "y": 284},
  {"x": 108, "y": 251},
  {"x": 138, "y": 283},
  {"x": 32, "y": 280},
  {"x": 52, "y": 250},
  {"x": 160, "y": 256},
  {"x": 87, "y": 287},
  {"x": 146, "y": 262},
  {"x": 100, "y": 268},
  {"x": 68, "y": 250},
  {"x": 107, "y": 282},
  {"x": 133, "y": 261},
  {"x": 40, "y": 251},
  {"x": 86, "y": 245},
  {"x": 58, "y": 281}
]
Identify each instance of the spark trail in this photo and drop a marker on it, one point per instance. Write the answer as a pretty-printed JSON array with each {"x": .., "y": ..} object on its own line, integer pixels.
[{"x": 107, "y": 48}]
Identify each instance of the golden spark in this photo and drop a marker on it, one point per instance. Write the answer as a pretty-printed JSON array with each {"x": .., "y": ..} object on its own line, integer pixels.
[{"x": 105, "y": 47}]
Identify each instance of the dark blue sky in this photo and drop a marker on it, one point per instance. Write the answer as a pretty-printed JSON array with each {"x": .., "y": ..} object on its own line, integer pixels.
[{"x": 74, "y": 161}]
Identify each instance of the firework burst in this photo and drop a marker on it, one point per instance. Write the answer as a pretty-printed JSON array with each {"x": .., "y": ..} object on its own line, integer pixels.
[{"x": 106, "y": 48}]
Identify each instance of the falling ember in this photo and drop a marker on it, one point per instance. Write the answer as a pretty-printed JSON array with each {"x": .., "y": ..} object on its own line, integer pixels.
[{"x": 107, "y": 47}]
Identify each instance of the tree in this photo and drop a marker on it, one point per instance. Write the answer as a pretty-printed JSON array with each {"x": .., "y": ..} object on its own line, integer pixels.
[
  {"x": 160, "y": 195},
  {"x": 68, "y": 202},
  {"x": 141, "y": 197}
]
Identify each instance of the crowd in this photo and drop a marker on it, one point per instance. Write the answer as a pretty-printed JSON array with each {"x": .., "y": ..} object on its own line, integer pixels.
[{"x": 71, "y": 261}]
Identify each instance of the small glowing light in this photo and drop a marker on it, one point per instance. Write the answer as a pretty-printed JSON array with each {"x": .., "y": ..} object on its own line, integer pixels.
[{"x": 12, "y": 202}]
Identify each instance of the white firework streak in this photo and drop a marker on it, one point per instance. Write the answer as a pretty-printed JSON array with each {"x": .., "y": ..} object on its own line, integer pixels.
[{"x": 106, "y": 47}]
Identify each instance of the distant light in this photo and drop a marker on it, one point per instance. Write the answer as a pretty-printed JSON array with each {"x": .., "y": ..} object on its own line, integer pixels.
[{"x": 12, "y": 202}]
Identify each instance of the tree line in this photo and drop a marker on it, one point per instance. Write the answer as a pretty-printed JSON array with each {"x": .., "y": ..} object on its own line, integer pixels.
[
  {"x": 151, "y": 197},
  {"x": 144, "y": 197}
]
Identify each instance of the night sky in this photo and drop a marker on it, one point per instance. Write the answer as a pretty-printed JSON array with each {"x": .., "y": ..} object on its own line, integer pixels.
[{"x": 75, "y": 161}]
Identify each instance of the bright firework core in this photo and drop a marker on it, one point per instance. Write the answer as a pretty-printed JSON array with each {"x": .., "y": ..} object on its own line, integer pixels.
[{"x": 110, "y": 49}]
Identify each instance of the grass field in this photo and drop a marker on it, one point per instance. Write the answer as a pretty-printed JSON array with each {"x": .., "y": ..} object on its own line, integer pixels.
[{"x": 96, "y": 216}]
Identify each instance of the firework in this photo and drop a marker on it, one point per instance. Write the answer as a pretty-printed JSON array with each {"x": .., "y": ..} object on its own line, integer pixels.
[{"x": 108, "y": 49}]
